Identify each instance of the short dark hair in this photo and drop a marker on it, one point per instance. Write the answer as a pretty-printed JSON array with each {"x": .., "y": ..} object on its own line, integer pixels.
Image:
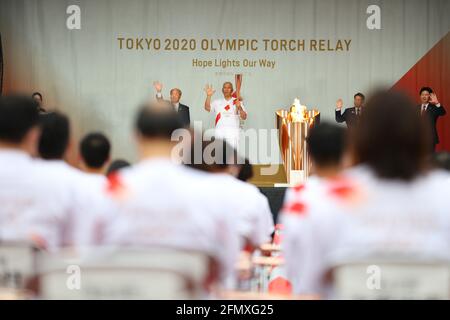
[
  {"x": 36, "y": 94},
  {"x": 359, "y": 94},
  {"x": 326, "y": 144},
  {"x": 223, "y": 156},
  {"x": 95, "y": 149},
  {"x": 391, "y": 138},
  {"x": 18, "y": 115},
  {"x": 246, "y": 172},
  {"x": 117, "y": 165},
  {"x": 425, "y": 89},
  {"x": 157, "y": 120},
  {"x": 55, "y": 135}
]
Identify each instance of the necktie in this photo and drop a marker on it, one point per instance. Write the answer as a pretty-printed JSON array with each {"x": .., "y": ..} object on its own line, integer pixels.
[{"x": 424, "y": 108}]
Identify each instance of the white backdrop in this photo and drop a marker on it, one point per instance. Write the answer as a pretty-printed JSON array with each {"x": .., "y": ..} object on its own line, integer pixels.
[{"x": 84, "y": 72}]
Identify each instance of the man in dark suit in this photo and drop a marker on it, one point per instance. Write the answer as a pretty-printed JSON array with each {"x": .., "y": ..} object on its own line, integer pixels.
[
  {"x": 38, "y": 97},
  {"x": 175, "y": 96},
  {"x": 432, "y": 110},
  {"x": 351, "y": 115}
]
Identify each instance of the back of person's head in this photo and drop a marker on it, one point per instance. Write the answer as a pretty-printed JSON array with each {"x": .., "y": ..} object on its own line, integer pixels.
[
  {"x": 391, "y": 138},
  {"x": 116, "y": 165},
  {"x": 55, "y": 136},
  {"x": 157, "y": 120},
  {"x": 246, "y": 171},
  {"x": 94, "y": 150},
  {"x": 326, "y": 144},
  {"x": 18, "y": 115},
  {"x": 216, "y": 156}
]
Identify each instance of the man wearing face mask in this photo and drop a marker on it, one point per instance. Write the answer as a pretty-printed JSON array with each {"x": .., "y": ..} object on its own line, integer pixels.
[
  {"x": 175, "y": 96},
  {"x": 229, "y": 111},
  {"x": 432, "y": 110}
]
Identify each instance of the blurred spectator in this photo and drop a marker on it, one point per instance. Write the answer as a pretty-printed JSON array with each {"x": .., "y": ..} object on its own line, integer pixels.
[
  {"x": 390, "y": 206},
  {"x": 26, "y": 193},
  {"x": 146, "y": 216},
  {"x": 83, "y": 207},
  {"x": 95, "y": 150},
  {"x": 116, "y": 165},
  {"x": 248, "y": 205},
  {"x": 326, "y": 145},
  {"x": 246, "y": 172},
  {"x": 54, "y": 140}
]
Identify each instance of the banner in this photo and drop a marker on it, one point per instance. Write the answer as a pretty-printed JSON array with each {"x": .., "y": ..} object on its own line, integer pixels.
[{"x": 97, "y": 60}]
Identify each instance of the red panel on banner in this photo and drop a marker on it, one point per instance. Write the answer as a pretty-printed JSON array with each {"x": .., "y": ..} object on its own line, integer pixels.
[{"x": 432, "y": 70}]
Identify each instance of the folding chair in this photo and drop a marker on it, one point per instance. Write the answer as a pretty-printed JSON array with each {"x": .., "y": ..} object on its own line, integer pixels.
[
  {"x": 124, "y": 273},
  {"x": 392, "y": 280},
  {"x": 17, "y": 268}
]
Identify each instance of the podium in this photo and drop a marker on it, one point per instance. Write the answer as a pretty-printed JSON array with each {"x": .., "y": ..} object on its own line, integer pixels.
[{"x": 292, "y": 134}]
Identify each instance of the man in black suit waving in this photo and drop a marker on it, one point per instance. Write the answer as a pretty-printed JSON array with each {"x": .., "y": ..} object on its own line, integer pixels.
[
  {"x": 432, "y": 110},
  {"x": 175, "y": 96},
  {"x": 351, "y": 115}
]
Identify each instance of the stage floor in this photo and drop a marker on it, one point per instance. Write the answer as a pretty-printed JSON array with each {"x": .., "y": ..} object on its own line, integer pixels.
[
  {"x": 275, "y": 197},
  {"x": 266, "y": 183},
  {"x": 261, "y": 178}
]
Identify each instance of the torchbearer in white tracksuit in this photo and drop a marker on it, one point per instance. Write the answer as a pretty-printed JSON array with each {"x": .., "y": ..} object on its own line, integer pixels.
[{"x": 229, "y": 111}]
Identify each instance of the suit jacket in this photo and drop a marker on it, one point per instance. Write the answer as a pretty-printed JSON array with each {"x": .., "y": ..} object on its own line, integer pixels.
[
  {"x": 349, "y": 116},
  {"x": 183, "y": 113},
  {"x": 433, "y": 113}
]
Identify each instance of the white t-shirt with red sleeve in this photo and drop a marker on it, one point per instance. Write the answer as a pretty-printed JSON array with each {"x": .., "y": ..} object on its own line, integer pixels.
[
  {"x": 227, "y": 121},
  {"x": 360, "y": 217},
  {"x": 226, "y": 113},
  {"x": 160, "y": 203}
]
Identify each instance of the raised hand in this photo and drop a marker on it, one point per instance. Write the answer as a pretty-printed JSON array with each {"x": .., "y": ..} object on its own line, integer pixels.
[
  {"x": 158, "y": 86},
  {"x": 433, "y": 99},
  {"x": 209, "y": 90},
  {"x": 339, "y": 104}
]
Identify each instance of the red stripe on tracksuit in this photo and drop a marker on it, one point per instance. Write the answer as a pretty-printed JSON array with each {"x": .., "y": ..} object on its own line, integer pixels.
[
  {"x": 217, "y": 118},
  {"x": 234, "y": 103}
]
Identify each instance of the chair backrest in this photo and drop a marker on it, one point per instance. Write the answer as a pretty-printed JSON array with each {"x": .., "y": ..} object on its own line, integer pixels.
[
  {"x": 392, "y": 281},
  {"x": 106, "y": 273},
  {"x": 17, "y": 264}
]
